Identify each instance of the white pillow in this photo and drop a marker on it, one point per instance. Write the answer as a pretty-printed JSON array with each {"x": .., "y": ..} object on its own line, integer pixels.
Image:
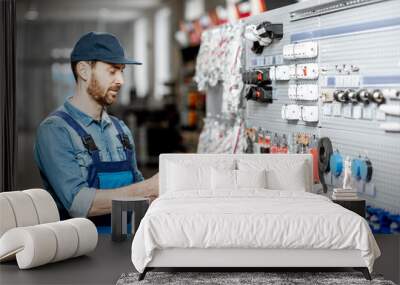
[
  {"x": 281, "y": 173},
  {"x": 193, "y": 174},
  {"x": 223, "y": 179},
  {"x": 226, "y": 179},
  {"x": 251, "y": 178},
  {"x": 292, "y": 177},
  {"x": 187, "y": 177}
]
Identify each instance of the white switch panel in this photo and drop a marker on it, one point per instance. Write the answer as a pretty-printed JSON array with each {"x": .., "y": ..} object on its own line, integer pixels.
[
  {"x": 282, "y": 72},
  {"x": 288, "y": 52},
  {"x": 308, "y": 92},
  {"x": 306, "y": 50},
  {"x": 291, "y": 112},
  {"x": 272, "y": 73},
  {"x": 292, "y": 91},
  {"x": 309, "y": 113},
  {"x": 307, "y": 71}
]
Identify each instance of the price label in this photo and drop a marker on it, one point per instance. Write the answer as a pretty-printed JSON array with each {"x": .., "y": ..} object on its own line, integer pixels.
[
  {"x": 367, "y": 113},
  {"x": 347, "y": 111},
  {"x": 357, "y": 112},
  {"x": 269, "y": 60},
  {"x": 336, "y": 109},
  {"x": 260, "y": 61},
  {"x": 327, "y": 109},
  {"x": 339, "y": 79},
  {"x": 279, "y": 59}
]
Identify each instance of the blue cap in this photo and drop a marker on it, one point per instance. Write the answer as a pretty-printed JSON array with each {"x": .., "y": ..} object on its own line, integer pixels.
[{"x": 100, "y": 47}]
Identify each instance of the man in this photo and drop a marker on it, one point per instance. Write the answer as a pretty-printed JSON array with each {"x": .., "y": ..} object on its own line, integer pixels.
[{"x": 85, "y": 156}]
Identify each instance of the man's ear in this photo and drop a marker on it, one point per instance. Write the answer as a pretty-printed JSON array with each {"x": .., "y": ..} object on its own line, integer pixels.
[{"x": 83, "y": 70}]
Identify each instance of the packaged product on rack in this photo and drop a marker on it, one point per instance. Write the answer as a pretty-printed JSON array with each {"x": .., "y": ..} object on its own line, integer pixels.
[
  {"x": 222, "y": 135},
  {"x": 219, "y": 62}
]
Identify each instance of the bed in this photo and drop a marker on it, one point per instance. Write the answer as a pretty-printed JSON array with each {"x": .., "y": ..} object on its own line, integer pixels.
[{"x": 245, "y": 211}]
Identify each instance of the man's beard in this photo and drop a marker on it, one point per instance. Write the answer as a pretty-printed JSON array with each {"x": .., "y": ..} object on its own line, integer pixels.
[{"x": 100, "y": 94}]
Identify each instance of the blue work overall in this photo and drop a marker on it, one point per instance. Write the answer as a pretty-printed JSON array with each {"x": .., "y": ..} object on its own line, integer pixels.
[{"x": 104, "y": 174}]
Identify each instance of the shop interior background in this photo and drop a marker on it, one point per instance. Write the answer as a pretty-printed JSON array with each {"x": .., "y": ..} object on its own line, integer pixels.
[{"x": 159, "y": 100}]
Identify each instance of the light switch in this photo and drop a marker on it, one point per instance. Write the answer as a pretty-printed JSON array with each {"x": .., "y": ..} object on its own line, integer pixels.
[
  {"x": 309, "y": 113},
  {"x": 292, "y": 112},
  {"x": 306, "y": 50},
  {"x": 308, "y": 92},
  {"x": 307, "y": 71},
  {"x": 282, "y": 72},
  {"x": 288, "y": 52}
]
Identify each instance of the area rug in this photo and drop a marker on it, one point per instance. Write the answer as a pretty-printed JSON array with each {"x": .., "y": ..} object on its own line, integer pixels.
[{"x": 243, "y": 278}]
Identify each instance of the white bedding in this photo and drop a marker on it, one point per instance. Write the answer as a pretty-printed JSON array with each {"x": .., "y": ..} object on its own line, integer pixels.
[{"x": 252, "y": 218}]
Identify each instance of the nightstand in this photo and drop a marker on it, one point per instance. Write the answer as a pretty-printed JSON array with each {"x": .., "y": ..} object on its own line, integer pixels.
[
  {"x": 357, "y": 206},
  {"x": 135, "y": 206}
]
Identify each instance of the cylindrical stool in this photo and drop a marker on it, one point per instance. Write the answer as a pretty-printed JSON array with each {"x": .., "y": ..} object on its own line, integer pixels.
[{"x": 119, "y": 216}]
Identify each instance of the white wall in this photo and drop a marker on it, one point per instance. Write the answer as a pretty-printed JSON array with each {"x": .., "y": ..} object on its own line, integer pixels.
[
  {"x": 141, "y": 53},
  {"x": 162, "y": 51}
]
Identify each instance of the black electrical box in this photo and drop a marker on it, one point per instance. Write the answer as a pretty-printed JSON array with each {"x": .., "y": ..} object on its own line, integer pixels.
[{"x": 260, "y": 94}]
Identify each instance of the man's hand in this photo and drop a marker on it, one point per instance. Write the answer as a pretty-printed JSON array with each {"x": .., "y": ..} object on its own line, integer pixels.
[
  {"x": 145, "y": 188},
  {"x": 152, "y": 186},
  {"x": 102, "y": 201}
]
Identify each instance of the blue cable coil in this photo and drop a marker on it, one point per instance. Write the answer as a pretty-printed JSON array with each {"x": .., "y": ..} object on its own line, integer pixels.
[
  {"x": 356, "y": 168},
  {"x": 336, "y": 164},
  {"x": 383, "y": 222}
]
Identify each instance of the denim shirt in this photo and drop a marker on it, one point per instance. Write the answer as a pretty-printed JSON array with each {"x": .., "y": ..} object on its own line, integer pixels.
[{"x": 64, "y": 161}]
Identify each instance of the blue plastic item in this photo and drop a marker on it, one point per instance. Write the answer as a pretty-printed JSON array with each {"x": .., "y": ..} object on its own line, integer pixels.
[
  {"x": 382, "y": 221},
  {"x": 356, "y": 168},
  {"x": 336, "y": 164},
  {"x": 395, "y": 224}
]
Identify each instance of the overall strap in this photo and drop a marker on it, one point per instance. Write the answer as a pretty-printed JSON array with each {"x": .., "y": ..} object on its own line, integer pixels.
[
  {"x": 121, "y": 135},
  {"x": 87, "y": 139}
]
